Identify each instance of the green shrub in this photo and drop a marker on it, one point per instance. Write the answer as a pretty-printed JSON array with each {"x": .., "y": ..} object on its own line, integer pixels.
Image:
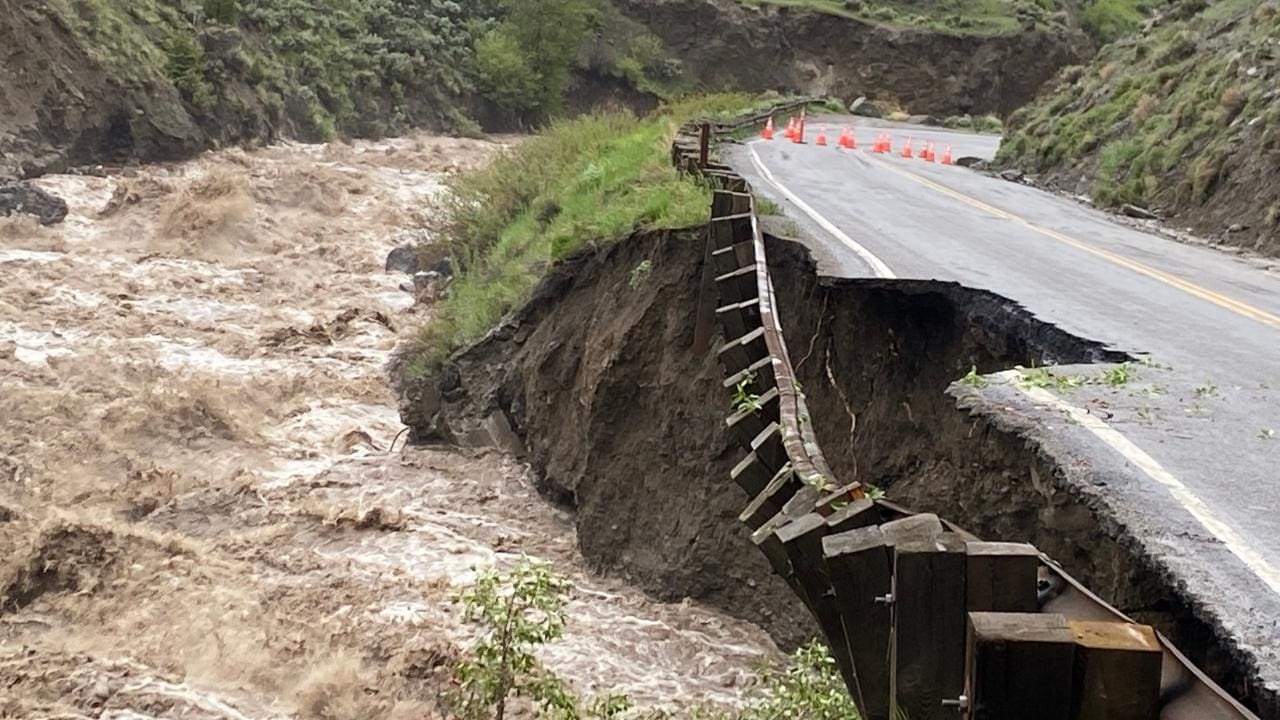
[
  {"x": 1108, "y": 20},
  {"x": 226, "y": 12},
  {"x": 186, "y": 68}
]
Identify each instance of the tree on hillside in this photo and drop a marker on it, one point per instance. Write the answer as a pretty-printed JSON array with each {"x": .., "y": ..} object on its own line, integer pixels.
[{"x": 524, "y": 62}]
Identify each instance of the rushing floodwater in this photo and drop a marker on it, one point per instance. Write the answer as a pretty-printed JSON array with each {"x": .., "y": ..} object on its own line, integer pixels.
[{"x": 197, "y": 431}]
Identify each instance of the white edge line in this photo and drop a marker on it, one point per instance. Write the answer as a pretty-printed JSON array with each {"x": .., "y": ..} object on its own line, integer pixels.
[
  {"x": 1255, "y": 561},
  {"x": 878, "y": 268}
]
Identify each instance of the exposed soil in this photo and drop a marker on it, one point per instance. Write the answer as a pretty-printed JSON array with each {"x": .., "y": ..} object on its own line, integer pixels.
[
  {"x": 203, "y": 509},
  {"x": 594, "y": 379},
  {"x": 622, "y": 422},
  {"x": 724, "y": 44}
]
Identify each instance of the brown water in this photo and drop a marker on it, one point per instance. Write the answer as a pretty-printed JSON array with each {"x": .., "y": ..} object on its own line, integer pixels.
[{"x": 195, "y": 463}]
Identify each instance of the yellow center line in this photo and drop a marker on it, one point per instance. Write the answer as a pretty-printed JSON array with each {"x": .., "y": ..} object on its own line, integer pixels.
[{"x": 1186, "y": 286}]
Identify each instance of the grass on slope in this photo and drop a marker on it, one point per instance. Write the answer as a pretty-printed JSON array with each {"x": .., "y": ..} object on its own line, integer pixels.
[
  {"x": 1154, "y": 119},
  {"x": 1105, "y": 20},
  {"x": 595, "y": 179},
  {"x": 962, "y": 17}
]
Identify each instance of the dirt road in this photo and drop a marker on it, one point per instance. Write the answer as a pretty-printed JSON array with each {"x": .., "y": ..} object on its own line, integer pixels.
[{"x": 201, "y": 515}]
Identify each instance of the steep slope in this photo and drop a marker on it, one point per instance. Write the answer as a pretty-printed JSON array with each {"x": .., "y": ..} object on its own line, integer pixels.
[
  {"x": 1183, "y": 118},
  {"x": 727, "y": 45}
]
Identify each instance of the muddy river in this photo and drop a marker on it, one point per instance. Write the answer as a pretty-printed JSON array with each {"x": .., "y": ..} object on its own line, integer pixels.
[{"x": 201, "y": 508}]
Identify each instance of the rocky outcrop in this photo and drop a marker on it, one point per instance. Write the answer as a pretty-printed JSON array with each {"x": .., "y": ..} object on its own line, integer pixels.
[
  {"x": 724, "y": 44},
  {"x": 26, "y": 199}
]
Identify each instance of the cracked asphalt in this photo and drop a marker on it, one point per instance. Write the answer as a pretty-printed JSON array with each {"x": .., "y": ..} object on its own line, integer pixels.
[{"x": 1182, "y": 445}]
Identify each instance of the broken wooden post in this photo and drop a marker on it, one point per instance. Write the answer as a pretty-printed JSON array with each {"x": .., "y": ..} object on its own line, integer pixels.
[
  {"x": 929, "y": 622},
  {"x": 1001, "y": 577},
  {"x": 858, "y": 565},
  {"x": 1117, "y": 671},
  {"x": 1018, "y": 666}
]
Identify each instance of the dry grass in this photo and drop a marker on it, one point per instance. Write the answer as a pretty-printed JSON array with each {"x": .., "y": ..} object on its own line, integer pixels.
[{"x": 1145, "y": 108}]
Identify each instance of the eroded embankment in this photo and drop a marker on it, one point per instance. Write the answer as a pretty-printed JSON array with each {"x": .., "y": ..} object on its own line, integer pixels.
[
  {"x": 886, "y": 352},
  {"x": 597, "y": 381},
  {"x": 621, "y": 421}
]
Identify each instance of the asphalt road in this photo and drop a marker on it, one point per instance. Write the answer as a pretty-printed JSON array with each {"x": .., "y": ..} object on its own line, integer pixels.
[{"x": 1191, "y": 442}]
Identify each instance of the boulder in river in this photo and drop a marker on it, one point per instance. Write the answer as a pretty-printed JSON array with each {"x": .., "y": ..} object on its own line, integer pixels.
[
  {"x": 25, "y": 198},
  {"x": 403, "y": 259}
]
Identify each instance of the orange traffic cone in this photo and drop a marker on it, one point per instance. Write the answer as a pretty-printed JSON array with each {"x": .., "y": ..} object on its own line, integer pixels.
[
  {"x": 791, "y": 128},
  {"x": 821, "y": 140},
  {"x": 927, "y": 153},
  {"x": 846, "y": 139},
  {"x": 946, "y": 156},
  {"x": 767, "y": 133},
  {"x": 906, "y": 149}
]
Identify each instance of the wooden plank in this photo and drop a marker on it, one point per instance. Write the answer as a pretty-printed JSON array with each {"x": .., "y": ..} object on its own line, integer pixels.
[
  {"x": 1018, "y": 666},
  {"x": 766, "y": 541},
  {"x": 751, "y": 474},
  {"x": 858, "y": 563},
  {"x": 769, "y": 501},
  {"x": 929, "y": 622},
  {"x": 802, "y": 540},
  {"x": 725, "y": 202},
  {"x": 917, "y": 527},
  {"x": 857, "y": 514},
  {"x": 1002, "y": 577},
  {"x": 1117, "y": 671}
]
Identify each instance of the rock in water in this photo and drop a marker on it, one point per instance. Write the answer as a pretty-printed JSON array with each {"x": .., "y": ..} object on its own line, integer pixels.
[
  {"x": 403, "y": 259},
  {"x": 25, "y": 198}
]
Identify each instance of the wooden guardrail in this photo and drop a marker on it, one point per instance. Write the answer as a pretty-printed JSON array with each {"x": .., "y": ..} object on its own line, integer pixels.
[{"x": 923, "y": 619}]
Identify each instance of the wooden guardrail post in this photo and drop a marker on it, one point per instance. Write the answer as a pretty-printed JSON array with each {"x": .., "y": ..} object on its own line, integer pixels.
[
  {"x": 929, "y": 621},
  {"x": 1001, "y": 577},
  {"x": 1117, "y": 671},
  {"x": 704, "y": 144},
  {"x": 858, "y": 565},
  {"x": 1019, "y": 666}
]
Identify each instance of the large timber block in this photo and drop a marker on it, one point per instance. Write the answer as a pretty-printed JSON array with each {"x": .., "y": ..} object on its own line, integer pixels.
[
  {"x": 1117, "y": 671},
  {"x": 1002, "y": 577},
  {"x": 770, "y": 500},
  {"x": 915, "y": 527},
  {"x": 733, "y": 230},
  {"x": 766, "y": 540},
  {"x": 1019, "y": 666},
  {"x": 769, "y": 448},
  {"x": 748, "y": 423},
  {"x": 744, "y": 350},
  {"x": 805, "y": 501},
  {"x": 929, "y": 623},
  {"x": 728, "y": 202},
  {"x": 802, "y": 540},
  {"x": 751, "y": 474},
  {"x": 738, "y": 286},
  {"x": 858, "y": 564},
  {"x": 759, "y": 374},
  {"x": 732, "y": 257},
  {"x": 857, "y": 514}
]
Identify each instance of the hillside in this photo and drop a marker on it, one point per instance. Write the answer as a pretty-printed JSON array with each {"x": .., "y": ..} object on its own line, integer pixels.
[
  {"x": 941, "y": 58},
  {"x": 1182, "y": 118},
  {"x": 91, "y": 81}
]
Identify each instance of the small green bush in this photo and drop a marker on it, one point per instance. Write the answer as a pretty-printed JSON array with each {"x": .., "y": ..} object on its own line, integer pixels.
[
  {"x": 226, "y": 12},
  {"x": 1108, "y": 20},
  {"x": 186, "y": 68}
]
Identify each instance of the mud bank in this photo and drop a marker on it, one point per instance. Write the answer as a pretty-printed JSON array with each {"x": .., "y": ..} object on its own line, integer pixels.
[
  {"x": 880, "y": 361},
  {"x": 594, "y": 382}
]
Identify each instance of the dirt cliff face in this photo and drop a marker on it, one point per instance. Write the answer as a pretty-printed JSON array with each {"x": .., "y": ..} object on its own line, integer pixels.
[
  {"x": 595, "y": 378},
  {"x": 726, "y": 45},
  {"x": 62, "y": 104}
]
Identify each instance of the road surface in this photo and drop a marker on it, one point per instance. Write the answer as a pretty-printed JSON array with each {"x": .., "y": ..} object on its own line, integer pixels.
[{"x": 1192, "y": 437}]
